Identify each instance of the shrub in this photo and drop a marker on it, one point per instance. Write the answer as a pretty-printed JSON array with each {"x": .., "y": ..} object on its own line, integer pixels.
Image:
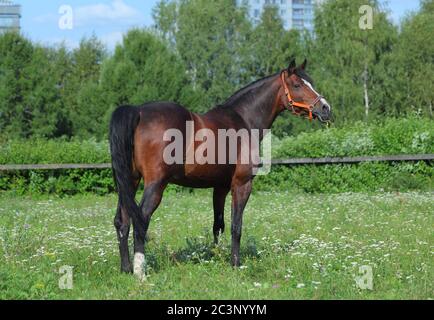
[
  {"x": 403, "y": 136},
  {"x": 41, "y": 151}
]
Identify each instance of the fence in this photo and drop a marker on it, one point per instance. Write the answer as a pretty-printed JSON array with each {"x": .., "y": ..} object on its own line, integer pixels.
[{"x": 283, "y": 162}]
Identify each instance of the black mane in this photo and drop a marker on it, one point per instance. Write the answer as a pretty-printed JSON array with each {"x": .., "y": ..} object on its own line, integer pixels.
[
  {"x": 302, "y": 74},
  {"x": 249, "y": 90}
]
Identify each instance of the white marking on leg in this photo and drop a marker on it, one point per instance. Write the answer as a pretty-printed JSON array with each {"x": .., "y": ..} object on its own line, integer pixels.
[{"x": 139, "y": 261}]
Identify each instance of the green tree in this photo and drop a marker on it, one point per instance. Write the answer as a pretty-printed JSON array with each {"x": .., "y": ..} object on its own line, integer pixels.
[
  {"x": 41, "y": 100},
  {"x": 62, "y": 67},
  {"x": 83, "y": 97},
  {"x": 412, "y": 87},
  {"x": 268, "y": 50},
  {"x": 270, "y": 46},
  {"x": 144, "y": 69},
  {"x": 349, "y": 59},
  {"x": 16, "y": 54},
  {"x": 29, "y": 101},
  {"x": 209, "y": 36},
  {"x": 42, "y": 89}
]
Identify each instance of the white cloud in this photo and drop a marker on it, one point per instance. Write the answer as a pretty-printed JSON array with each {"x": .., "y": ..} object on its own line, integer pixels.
[{"x": 103, "y": 14}]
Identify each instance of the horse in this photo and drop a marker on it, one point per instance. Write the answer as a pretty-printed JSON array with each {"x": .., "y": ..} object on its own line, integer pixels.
[{"x": 138, "y": 142}]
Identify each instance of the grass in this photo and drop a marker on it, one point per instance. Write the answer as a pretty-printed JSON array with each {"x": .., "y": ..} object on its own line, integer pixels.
[{"x": 293, "y": 247}]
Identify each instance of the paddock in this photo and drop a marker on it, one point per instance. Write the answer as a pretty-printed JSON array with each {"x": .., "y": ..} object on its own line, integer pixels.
[{"x": 296, "y": 246}]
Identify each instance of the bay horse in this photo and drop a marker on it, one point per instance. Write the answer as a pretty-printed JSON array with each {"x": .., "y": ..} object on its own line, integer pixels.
[{"x": 137, "y": 150}]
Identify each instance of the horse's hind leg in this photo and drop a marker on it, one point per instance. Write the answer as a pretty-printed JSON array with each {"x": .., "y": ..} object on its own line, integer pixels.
[
  {"x": 151, "y": 200},
  {"x": 122, "y": 225},
  {"x": 219, "y": 198}
]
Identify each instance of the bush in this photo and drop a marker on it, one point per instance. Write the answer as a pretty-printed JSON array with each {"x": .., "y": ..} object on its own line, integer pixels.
[
  {"x": 364, "y": 177},
  {"x": 403, "y": 136},
  {"x": 41, "y": 151}
]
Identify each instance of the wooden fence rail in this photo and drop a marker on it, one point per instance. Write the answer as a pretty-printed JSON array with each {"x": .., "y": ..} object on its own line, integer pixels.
[
  {"x": 25, "y": 167},
  {"x": 346, "y": 160},
  {"x": 283, "y": 162}
]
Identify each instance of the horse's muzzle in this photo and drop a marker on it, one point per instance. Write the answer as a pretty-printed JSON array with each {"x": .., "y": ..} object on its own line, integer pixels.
[{"x": 323, "y": 113}]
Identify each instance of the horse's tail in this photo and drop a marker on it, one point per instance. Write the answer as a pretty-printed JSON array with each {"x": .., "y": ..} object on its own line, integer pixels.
[{"x": 123, "y": 123}]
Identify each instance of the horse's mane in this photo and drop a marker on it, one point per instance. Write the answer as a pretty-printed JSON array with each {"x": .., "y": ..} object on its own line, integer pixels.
[
  {"x": 302, "y": 74},
  {"x": 249, "y": 90}
]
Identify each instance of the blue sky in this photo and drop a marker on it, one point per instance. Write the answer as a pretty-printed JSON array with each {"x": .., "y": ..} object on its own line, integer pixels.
[{"x": 109, "y": 19}]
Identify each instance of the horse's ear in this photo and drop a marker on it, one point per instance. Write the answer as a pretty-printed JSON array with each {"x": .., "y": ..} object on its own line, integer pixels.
[
  {"x": 304, "y": 64},
  {"x": 292, "y": 66}
]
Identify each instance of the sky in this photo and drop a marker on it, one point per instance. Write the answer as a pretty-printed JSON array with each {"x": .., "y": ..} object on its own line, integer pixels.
[{"x": 110, "y": 19}]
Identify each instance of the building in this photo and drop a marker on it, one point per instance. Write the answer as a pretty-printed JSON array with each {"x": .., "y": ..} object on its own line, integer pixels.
[
  {"x": 10, "y": 15},
  {"x": 296, "y": 14}
]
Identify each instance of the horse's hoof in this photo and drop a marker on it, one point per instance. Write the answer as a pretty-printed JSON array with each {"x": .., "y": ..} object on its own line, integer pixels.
[
  {"x": 236, "y": 264},
  {"x": 127, "y": 269}
]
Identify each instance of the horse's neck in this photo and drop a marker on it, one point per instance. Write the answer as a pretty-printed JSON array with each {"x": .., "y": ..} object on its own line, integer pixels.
[{"x": 261, "y": 111}]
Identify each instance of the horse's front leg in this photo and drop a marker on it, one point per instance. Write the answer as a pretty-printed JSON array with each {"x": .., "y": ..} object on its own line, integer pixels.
[
  {"x": 150, "y": 202},
  {"x": 240, "y": 196},
  {"x": 219, "y": 198}
]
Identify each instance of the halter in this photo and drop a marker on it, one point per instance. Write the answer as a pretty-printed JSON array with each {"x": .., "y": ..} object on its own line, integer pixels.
[{"x": 291, "y": 103}]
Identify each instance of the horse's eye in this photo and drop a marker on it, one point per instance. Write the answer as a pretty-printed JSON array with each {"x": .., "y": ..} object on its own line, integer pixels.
[{"x": 297, "y": 85}]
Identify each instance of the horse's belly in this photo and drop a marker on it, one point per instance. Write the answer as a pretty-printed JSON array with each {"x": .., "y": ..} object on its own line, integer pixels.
[{"x": 204, "y": 176}]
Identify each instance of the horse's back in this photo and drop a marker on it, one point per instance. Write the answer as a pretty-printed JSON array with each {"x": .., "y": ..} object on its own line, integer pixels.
[
  {"x": 163, "y": 112},
  {"x": 152, "y": 136}
]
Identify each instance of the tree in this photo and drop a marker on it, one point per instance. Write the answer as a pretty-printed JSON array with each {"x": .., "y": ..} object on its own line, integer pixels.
[
  {"x": 413, "y": 60},
  {"x": 143, "y": 69},
  {"x": 16, "y": 53},
  {"x": 82, "y": 97},
  {"x": 351, "y": 58},
  {"x": 41, "y": 101},
  {"x": 270, "y": 46},
  {"x": 209, "y": 37},
  {"x": 268, "y": 50},
  {"x": 29, "y": 101}
]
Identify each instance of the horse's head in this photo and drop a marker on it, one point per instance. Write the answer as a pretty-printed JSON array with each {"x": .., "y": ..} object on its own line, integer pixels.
[{"x": 300, "y": 95}]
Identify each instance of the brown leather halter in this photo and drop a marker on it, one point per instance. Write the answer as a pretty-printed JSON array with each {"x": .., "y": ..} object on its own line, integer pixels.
[{"x": 302, "y": 106}]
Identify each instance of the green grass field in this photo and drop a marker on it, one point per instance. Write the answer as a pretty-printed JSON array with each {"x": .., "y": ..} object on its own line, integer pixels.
[{"x": 293, "y": 247}]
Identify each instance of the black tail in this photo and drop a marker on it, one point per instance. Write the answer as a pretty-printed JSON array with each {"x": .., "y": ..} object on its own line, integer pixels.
[{"x": 123, "y": 123}]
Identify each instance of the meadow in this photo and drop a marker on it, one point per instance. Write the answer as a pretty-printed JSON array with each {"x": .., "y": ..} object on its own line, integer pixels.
[{"x": 294, "y": 246}]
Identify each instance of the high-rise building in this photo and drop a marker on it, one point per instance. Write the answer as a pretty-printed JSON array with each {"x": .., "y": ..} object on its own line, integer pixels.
[
  {"x": 296, "y": 14},
  {"x": 10, "y": 15}
]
